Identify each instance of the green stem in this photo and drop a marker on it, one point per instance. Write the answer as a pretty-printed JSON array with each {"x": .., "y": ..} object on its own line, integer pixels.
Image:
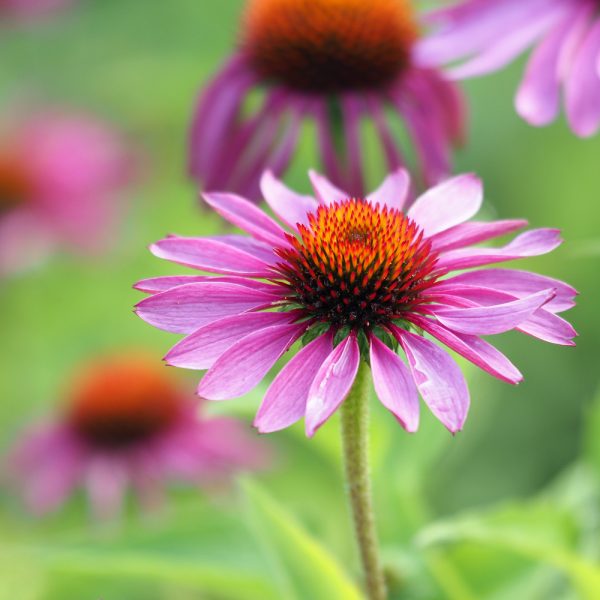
[{"x": 355, "y": 442}]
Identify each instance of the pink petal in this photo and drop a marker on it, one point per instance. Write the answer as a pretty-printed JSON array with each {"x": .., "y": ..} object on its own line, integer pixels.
[
  {"x": 530, "y": 243},
  {"x": 473, "y": 348},
  {"x": 201, "y": 349},
  {"x": 242, "y": 367},
  {"x": 106, "y": 482},
  {"x": 394, "y": 385},
  {"x": 248, "y": 217},
  {"x": 290, "y": 207},
  {"x": 448, "y": 204},
  {"x": 188, "y": 307},
  {"x": 393, "y": 192},
  {"x": 210, "y": 254},
  {"x": 488, "y": 320},
  {"x": 583, "y": 86},
  {"x": 285, "y": 400},
  {"x": 332, "y": 384},
  {"x": 155, "y": 285},
  {"x": 538, "y": 97},
  {"x": 326, "y": 192},
  {"x": 473, "y": 232},
  {"x": 519, "y": 284},
  {"x": 438, "y": 378}
]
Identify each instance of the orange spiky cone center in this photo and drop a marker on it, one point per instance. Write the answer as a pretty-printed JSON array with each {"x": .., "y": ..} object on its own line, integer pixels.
[
  {"x": 321, "y": 46},
  {"x": 118, "y": 403},
  {"x": 357, "y": 264}
]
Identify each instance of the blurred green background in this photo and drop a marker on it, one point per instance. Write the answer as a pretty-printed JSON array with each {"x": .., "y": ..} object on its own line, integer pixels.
[{"x": 508, "y": 509}]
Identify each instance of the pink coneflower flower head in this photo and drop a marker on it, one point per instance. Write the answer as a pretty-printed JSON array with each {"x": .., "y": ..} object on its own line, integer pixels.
[
  {"x": 565, "y": 35},
  {"x": 337, "y": 63},
  {"x": 128, "y": 424},
  {"x": 353, "y": 279},
  {"x": 31, "y": 9},
  {"x": 59, "y": 178}
]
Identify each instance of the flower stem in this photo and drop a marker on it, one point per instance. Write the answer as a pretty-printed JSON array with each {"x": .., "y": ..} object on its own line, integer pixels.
[{"x": 355, "y": 442}]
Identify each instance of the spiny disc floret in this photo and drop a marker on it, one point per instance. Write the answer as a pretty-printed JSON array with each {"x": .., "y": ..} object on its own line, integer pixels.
[{"x": 357, "y": 264}]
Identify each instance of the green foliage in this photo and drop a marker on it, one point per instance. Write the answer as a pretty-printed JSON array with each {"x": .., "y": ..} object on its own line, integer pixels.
[{"x": 304, "y": 568}]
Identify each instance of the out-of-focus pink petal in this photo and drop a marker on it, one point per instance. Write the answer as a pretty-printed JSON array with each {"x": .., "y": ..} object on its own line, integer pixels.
[
  {"x": 393, "y": 192},
  {"x": 448, "y": 204},
  {"x": 106, "y": 479},
  {"x": 285, "y": 400},
  {"x": 242, "y": 367},
  {"x": 188, "y": 307},
  {"x": 201, "y": 349},
  {"x": 473, "y": 348},
  {"x": 490, "y": 320},
  {"x": 394, "y": 385},
  {"x": 290, "y": 207},
  {"x": 248, "y": 217},
  {"x": 583, "y": 86},
  {"x": 332, "y": 384},
  {"x": 438, "y": 378}
]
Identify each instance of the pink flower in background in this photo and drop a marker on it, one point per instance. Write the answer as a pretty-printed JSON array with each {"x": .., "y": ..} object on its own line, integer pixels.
[
  {"x": 127, "y": 424},
  {"x": 353, "y": 277},
  {"x": 59, "y": 178},
  {"x": 29, "y": 9},
  {"x": 565, "y": 35},
  {"x": 338, "y": 64}
]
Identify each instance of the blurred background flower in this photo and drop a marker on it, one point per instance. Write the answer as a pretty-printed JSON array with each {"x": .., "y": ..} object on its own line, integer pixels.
[
  {"x": 61, "y": 174},
  {"x": 565, "y": 34},
  {"x": 338, "y": 64},
  {"x": 127, "y": 424},
  {"x": 31, "y": 9}
]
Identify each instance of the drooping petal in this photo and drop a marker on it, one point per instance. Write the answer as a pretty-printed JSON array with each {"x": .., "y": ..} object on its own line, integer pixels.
[
  {"x": 473, "y": 232},
  {"x": 531, "y": 243},
  {"x": 488, "y": 320},
  {"x": 188, "y": 307},
  {"x": 242, "y": 367},
  {"x": 473, "y": 348},
  {"x": 285, "y": 400},
  {"x": 246, "y": 216},
  {"x": 332, "y": 383},
  {"x": 155, "y": 285},
  {"x": 438, "y": 378},
  {"x": 393, "y": 192},
  {"x": 517, "y": 283},
  {"x": 201, "y": 349},
  {"x": 211, "y": 254},
  {"x": 325, "y": 191},
  {"x": 448, "y": 204},
  {"x": 106, "y": 481},
  {"x": 394, "y": 385},
  {"x": 290, "y": 207},
  {"x": 583, "y": 86}
]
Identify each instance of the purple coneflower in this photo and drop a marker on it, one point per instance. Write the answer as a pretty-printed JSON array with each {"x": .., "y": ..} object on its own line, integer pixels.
[
  {"x": 353, "y": 278},
  {"x": 336, "y": 63},
  {"x": 565, "y": 34},
  {"x": 127, "y": 424},
  {"x": 59, "y": 175}
]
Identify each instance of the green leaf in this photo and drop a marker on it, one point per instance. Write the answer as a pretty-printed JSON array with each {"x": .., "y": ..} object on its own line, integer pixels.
[
  {"x": 537, "y": 531},
  {"x": 305, "y": 569},
  {"x": 220, "y": 582}
]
